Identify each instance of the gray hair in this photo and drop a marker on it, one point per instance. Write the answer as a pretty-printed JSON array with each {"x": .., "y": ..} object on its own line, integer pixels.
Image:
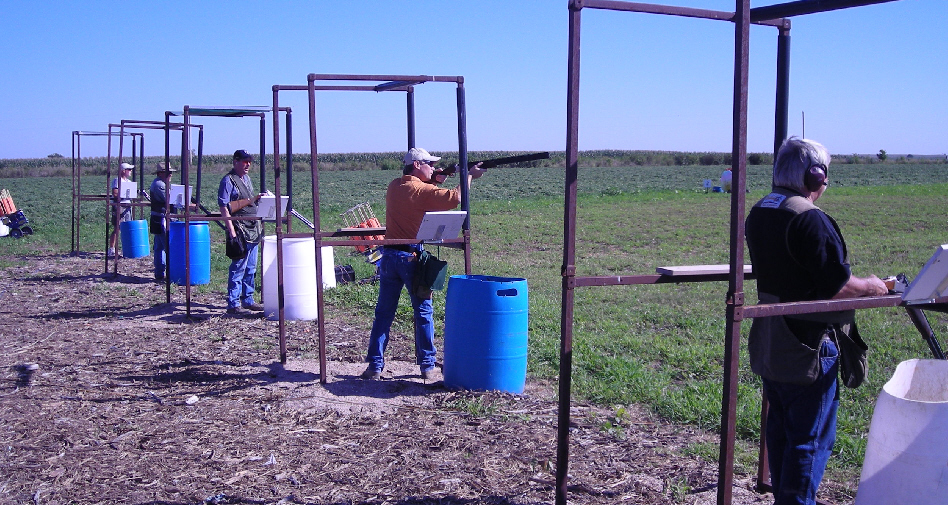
[{"x": 794, "y": 159}]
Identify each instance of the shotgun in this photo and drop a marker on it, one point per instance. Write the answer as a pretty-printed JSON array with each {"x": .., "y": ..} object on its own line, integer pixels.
[{"x": 495, "y": 162}]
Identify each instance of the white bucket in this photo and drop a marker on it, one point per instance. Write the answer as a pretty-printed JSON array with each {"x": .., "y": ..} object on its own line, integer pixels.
[
  {"x": 907, "y": 450},
  {"x": 4, "y": 230},
  {"x": 299, "y": 277}
]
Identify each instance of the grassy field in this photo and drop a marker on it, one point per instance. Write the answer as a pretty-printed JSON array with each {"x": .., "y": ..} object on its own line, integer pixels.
[{"x": 657, "y": 345}]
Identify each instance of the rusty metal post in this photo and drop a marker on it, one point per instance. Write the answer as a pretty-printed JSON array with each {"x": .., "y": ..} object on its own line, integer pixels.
[
  {"x": 108, "y": 199},
  {"x": 75, "y": 194},
  {"x": 281, "y": 296},
  {"x": 289, "y": 167},
  {"x": 735, "y": 297},
  {"x": 313, "y": 166},
  {"x": 185, "y": 178},
  {"x": 569, "y": 252},
  {"x": 263, "y": 154},
  {"x": 410, "y": 99},
  {"x": 782, "y": 106},
  {"x": 167, "y": 220},
  {"x": 462, "y": 162},
  {"x": 200, "y": 157}
]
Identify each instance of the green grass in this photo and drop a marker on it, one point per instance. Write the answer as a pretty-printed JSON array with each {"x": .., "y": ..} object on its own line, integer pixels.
[{"x": 660, "y": 345}]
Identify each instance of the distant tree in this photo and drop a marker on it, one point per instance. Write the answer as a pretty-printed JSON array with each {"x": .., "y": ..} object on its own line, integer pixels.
[
  {"x": 55, "y": 155},
  {"x": 882, "y": 155},
  {"x": 390, "y": 165}
]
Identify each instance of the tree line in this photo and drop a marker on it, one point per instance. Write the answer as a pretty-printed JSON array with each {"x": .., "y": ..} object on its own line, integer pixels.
[{"x": 57, "y": 165}]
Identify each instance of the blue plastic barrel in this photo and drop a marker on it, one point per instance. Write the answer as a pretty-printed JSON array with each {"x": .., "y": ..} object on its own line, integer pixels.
[
  {"x": 199, "y": 250},
  {"x": 485, "y": 333},
  {"x": 134, "y": 238}
]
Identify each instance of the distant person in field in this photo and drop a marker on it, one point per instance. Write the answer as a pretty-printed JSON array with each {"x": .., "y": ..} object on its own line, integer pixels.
[
  {"x": 236, "y": 198},
  {"x": 799, "y": 254},
  {"x": 726, "y": 180},
  {"x": 406, "y": 201},
  {"x": 156, "y": 222},
  {"x": 126, "y": 212}
]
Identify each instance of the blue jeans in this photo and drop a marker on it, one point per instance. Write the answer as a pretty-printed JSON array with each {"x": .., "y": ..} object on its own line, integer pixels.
[
  {"x": 160, "y": 254},
  {"x": 240, "y": 278},
  {"x": 396, "y": 269},
  {"x": 801, "y": 431}
]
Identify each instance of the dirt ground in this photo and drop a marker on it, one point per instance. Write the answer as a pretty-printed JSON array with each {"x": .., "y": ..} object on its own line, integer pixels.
[{"x": 110, "y": 395}]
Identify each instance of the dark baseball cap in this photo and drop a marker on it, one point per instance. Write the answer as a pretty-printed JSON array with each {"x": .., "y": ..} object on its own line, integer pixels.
[{"x": 240, "y": 154}]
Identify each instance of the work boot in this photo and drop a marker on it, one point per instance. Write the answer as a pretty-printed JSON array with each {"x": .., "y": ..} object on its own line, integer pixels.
[
  {"x": 371, "y": 375},
  {"x": 253, "y": 307}
]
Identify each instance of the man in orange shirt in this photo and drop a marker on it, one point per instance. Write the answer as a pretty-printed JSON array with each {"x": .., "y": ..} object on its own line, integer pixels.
[{"x": 407, "y": 200}]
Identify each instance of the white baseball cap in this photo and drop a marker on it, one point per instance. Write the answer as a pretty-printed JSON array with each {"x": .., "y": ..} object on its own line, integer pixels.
[
  {"x": 127, "y": 166},
  {"x": 419, "y": 154}
]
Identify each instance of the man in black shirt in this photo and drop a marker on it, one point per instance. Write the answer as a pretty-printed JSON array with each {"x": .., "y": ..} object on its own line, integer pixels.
[{"x": 799, "y": 254}]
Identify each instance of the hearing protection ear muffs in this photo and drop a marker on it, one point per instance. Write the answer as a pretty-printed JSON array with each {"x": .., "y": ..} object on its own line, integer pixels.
[{"x": 815, "y": 177}]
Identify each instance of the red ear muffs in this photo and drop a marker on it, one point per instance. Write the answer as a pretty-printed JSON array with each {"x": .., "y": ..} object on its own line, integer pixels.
[{"x": 815, "y": 177}]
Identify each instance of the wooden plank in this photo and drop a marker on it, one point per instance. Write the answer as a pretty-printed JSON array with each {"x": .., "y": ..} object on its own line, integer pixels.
[
  {"x": 351, "y": 232},
  {"x": 699, "y": 270}
]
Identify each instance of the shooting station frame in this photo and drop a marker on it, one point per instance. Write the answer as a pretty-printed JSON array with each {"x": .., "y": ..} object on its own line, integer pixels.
[
  {"x": 147, "y": 125},
  {"x": 736, "y": 310},
  {"x": 78, "y": 197},
  {"x": 346, "y": 237},
  {"x": 210, "y": 111}
]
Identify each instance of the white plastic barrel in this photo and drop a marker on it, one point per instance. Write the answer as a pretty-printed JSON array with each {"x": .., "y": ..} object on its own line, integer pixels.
[
  {"x": 299, "y": 277},
  {"x": 907, "y": 450}
]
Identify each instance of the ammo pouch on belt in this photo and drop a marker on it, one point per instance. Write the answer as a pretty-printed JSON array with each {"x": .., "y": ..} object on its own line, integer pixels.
[
  {"x": 429, "y": 274},
  {"x": 156, "y": 224},
  {"x": 776, "y": 353}
]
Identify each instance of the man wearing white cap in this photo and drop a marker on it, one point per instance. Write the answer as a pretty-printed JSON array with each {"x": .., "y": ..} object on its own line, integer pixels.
[
  {"x": 126, "y": 213},
  {"x": 406, "y": 201}
]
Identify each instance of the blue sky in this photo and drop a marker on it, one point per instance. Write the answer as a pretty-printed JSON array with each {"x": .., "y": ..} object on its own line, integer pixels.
[{"x": 866, "y": 79}]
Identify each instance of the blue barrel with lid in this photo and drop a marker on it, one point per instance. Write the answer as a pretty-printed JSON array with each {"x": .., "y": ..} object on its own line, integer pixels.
[{"x": 485, "y": 333}]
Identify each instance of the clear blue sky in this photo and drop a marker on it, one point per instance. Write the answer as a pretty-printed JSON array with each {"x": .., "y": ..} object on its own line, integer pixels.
[{"x": 868, "y": 78}]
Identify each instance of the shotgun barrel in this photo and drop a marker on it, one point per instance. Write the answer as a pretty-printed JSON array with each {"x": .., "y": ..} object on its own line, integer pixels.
[{"x": 495, "y": 162}]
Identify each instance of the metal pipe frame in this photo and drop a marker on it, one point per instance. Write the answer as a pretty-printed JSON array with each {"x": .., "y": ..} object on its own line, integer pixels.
[
  {"x": 147, "y": 125},
  {"x": 742, "y": 17},
  {"x": 188, "y": 111},
  {"x": 77, "y": 196},
  {"x": 388, "y": 83},
  {"x": 108, "y": 190}
]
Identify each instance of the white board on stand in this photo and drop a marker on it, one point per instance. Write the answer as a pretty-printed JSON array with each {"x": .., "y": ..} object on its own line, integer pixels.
[
  {"x": 932, "y": 280},
  {"x": 128, "y": 190},
  {"x": 177, "y": 195},
  {"x": 442, "y": 225},
  {"x": 266, "y": 207}
]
